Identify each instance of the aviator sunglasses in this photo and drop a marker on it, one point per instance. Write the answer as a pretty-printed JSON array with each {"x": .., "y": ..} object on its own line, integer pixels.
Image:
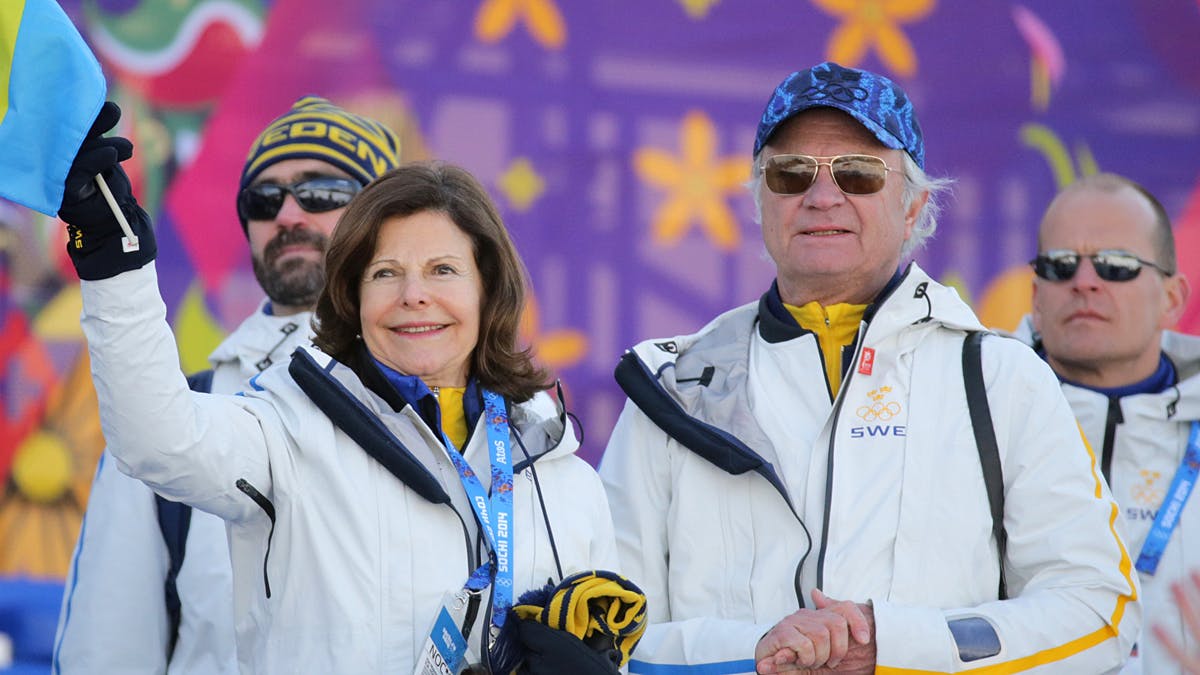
[
  {"x": 1110, "y": 265},
  {"x": 314, "y": 195},
  {"x": 853, "y": 174}
]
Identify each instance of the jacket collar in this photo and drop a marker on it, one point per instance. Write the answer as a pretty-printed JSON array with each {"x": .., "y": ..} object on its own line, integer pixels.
[
  {"x": 263, "y": 336},
  {"x": 541, "y": 422},
  {"x": 1184, "y": 352},
  {"x": 911, "y": 296},
  {"x": 1181, "y": 401},
  {"x": 417, "y": 394},
  {"x": 776, "y": 323}
]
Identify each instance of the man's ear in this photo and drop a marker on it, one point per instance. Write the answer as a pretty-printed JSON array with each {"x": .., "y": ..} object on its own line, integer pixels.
[
  {"x": 914, "y": 210},
  {"x": 1178, "y": 291}
]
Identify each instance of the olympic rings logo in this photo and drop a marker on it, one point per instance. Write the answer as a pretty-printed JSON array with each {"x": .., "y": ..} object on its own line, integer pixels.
[{"x": 878, "y": 411}]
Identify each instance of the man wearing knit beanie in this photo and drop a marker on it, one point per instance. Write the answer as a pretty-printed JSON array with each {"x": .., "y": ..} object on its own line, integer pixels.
[
  {"x": 134, "y": 602},
  {"x": 320, "y": 156}
]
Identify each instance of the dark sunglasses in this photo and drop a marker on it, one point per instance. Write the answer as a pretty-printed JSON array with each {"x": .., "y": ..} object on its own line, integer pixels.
[
  {"x": 853, "y": 174},
  {"x": 1110, "y": 265},
  {"x": 314, "y": 195}
]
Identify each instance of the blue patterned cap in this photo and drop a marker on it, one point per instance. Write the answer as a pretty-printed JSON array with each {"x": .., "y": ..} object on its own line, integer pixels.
[{"x": 874, "y": 100}]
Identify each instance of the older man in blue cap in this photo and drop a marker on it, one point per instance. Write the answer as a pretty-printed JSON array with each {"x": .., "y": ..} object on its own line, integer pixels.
[{"x": 849, "y": 475}]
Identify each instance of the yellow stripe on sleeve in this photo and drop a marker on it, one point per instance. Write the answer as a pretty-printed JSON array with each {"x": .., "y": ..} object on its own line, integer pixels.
[{"x": 1079, "y": 644}]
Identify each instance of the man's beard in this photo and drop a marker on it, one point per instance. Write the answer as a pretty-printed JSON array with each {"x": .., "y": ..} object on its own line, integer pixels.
[{"x": 298, "y": 281}]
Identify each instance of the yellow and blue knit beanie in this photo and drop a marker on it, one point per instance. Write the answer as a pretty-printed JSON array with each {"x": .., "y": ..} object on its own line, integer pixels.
[
  {"x": 604, "y": 610},
  {"x": 314, "y": 128}
]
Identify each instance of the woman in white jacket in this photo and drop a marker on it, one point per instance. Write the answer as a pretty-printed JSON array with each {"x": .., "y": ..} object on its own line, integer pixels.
[{"x": 354, "y": 522}]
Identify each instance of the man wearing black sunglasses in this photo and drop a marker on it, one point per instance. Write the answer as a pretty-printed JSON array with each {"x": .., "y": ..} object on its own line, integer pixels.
[
  {"x": 1105, "y": 291},
  {"x": 135, "y": 603},
  {"x": 803, "y": 486}
]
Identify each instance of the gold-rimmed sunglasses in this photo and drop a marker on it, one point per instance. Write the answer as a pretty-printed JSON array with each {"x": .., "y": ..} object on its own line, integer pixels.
[{"x": 853, "y": 174}]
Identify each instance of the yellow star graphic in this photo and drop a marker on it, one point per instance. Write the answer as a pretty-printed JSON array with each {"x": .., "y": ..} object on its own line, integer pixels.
[
  {"x": 867, "y": 23},
  {"x": 698, "y": 183},
  {"x": 556, "y": 349},
  {"x": 522, "y": 184},
  {"x": 496, "y": 18},
  {"x": 698, "y": 9}
]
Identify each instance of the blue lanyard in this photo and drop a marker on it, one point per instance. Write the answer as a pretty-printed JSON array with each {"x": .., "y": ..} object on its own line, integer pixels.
[
  {"x": 1168, "y": 513},
  {"x": 499, "y": 531}
]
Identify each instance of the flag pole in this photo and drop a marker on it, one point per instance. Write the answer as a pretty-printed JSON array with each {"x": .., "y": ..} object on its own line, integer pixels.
[{"x": 130, "y": 241}]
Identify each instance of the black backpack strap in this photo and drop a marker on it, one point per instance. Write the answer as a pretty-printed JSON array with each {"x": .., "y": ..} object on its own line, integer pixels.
[
  {"x": 174, "y": 519},
  {"x": 985, "y": 442}
]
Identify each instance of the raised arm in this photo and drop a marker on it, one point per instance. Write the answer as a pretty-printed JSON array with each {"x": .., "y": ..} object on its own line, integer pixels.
[{"x": 190, "y": 447}]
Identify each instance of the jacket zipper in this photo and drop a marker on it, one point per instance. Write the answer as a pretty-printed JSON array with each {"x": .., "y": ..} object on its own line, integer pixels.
[
  {"x": 861, "y": 340},
  {"x": 269, "y": 508},
  {"x": 1111, "y": 420}
]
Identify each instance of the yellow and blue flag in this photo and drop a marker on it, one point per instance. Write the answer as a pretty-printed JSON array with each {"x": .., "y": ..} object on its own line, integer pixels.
[{"x": 51, "y": 88}]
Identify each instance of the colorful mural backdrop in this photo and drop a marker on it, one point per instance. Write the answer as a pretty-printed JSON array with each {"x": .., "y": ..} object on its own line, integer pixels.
[{"x": 615, "y": 137}]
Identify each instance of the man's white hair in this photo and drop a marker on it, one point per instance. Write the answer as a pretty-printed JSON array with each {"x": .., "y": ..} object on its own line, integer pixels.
[{"x": 916, "y": 181}]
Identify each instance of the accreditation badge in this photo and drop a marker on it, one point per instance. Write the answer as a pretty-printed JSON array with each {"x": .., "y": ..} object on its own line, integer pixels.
[{"x": 445, "y": 651}]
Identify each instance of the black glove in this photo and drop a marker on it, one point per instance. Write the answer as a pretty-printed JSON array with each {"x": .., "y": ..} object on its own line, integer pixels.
[
  {"x": 549, "y": 651},
  {"x": 93, "y": 234}
]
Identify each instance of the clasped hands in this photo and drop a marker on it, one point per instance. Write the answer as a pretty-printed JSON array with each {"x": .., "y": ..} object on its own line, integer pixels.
[{"x": 836, "y": 636}]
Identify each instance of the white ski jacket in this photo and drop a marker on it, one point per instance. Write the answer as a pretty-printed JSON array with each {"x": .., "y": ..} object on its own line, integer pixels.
[
  {"x": 339, "y": 565},
  {"x": 114, "y": 616},
  {"x": 876, "y": 495},
  {"x": 1140, "y": 441}
]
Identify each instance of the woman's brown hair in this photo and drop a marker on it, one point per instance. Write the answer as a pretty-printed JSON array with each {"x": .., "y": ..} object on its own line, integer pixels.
[{"x": 497, "y": 362}]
